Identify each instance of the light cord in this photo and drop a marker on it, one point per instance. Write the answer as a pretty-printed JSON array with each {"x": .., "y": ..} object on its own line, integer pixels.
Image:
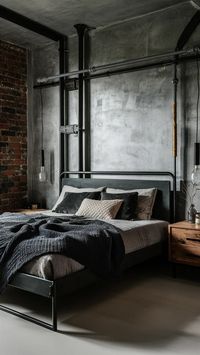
[
  {"x": 42, "y": 123},
  {"x": 197, "y": 107}
]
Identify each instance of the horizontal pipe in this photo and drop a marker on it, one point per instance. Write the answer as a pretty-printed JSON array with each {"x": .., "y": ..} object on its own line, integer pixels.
[
  {"x": 125, "y": 70},
  {"x": 128, "y": 70},
  {"x": 116, "y": 64}
]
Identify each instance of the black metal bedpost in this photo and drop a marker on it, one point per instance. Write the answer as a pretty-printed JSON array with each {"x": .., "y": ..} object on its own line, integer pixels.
[
  {"x": 54, "y": 306},
  {"x": 81, "y": 30}
]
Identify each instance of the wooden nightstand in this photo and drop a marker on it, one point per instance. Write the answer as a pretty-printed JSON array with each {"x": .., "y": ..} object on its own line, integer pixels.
[{"x": 184, "y": 243}]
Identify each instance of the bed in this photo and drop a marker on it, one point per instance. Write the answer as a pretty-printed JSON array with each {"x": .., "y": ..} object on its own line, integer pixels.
[{"x": 148, "y": 236}]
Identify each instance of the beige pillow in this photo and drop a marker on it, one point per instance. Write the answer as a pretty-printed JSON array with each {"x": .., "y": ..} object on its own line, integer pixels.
[
  {"x": 103, "y": 209},
  {"x": 68, "y": 188},
  {"x": 146, "y": 199}
]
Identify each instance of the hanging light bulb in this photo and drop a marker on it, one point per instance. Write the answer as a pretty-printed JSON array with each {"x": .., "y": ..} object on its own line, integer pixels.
[
  {"x": 195, "y": 176},
  {"x": 42, "y": 173}
]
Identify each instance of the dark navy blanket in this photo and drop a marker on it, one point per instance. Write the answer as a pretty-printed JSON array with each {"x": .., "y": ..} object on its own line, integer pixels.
[{"x": 96, "y": 244}]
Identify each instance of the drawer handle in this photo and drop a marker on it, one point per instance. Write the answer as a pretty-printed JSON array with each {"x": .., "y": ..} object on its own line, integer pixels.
[
  {"x": 181, "y": 241},
  {"x": 193, "y": 239}
]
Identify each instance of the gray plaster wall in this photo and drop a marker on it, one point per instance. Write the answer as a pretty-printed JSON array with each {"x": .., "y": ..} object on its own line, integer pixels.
[
  {"x": 131, "y": 114},
  {"x": 44, "y": 63}
]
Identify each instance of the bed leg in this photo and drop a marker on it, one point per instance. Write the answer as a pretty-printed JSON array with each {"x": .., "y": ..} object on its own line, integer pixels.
[{"x": 54, "y": 308}]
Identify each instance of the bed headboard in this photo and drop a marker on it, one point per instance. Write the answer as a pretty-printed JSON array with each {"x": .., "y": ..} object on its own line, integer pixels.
[{"x": 161, "y": 208}]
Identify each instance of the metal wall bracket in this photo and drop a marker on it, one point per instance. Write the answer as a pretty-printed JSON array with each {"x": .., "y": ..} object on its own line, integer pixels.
[
  {"x": 71, "y": 84},
  {"x": 69, "y": 129}
]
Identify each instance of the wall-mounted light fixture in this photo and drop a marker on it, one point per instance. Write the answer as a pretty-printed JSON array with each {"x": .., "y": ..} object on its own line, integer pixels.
[{"x": 42, "y": 173}]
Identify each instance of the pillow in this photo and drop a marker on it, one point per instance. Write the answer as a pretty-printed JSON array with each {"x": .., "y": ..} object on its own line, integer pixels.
[
  {"x": 128, "y": 207},
  {"x": 72, "y": 201},
  {"x": 68, "y": 188},
  {"x": 104, "y": 209},
  {"x": 146, "y": 199}
]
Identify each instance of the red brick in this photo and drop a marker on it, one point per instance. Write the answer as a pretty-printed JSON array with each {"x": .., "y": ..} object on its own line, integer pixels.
[{"x": 13, "y": 127}]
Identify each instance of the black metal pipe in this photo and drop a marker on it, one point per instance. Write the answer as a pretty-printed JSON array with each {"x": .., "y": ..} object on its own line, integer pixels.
[
  {"x": 188, "y": 31},
  {"x": 31, "y": 25},
  {"x": 87, "y": 96},
  {"x": 81, "y": 29},
  {"x": 175, "y": 85},
  {"x": 62, "y": 98},
  {"x": 66, "y": 120},
  {"x": 120, "y": 64},
  {"x": 141, "y": 67},
  {"x": 126, "y": 70}
]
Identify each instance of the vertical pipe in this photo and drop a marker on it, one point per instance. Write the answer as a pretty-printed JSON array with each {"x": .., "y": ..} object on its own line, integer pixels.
[
  {"x": 66, "y": 115},
  {"x": 81, "y": 29},
  {"x": 87, "y": 86},
  {"x": 174, "y": 149},
  {"x": 62, "y": 100}
]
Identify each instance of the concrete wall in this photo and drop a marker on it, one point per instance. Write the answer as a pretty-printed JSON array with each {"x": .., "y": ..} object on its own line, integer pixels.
[
  {"x": 131, "y": 114},
  {"x": 44, "y": 62}
]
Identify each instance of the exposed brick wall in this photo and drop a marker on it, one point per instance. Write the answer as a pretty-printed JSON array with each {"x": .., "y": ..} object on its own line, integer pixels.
[{"x": 13, "y": 127}]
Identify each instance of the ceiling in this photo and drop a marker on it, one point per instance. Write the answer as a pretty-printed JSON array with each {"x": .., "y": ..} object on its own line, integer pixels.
[{"x": 61, "y": 15}]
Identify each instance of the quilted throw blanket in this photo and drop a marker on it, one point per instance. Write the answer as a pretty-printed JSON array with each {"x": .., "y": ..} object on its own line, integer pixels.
[{"x": 93, "y": 243}]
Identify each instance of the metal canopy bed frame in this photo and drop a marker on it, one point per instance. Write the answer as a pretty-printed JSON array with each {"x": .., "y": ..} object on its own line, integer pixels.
[
  {"x": 48, "y": 288},
  {"x": 52, "y": 288}
]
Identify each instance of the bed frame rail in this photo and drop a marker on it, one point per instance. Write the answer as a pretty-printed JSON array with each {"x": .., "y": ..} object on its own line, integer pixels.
[{"x": 36, "y": 285}]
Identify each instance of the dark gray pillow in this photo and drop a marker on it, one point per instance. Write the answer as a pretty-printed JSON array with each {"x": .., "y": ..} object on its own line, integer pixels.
[
  {"x": 72, "y": 201},
  {"x": 129, "y": 204}
]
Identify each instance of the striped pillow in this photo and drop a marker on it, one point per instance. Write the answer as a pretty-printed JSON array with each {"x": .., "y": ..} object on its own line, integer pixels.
[{"x": 104, "y": 209}]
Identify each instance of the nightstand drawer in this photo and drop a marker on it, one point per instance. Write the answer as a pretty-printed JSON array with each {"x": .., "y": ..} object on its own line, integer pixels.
[
  {"x": 185, "y": 236},
  {"x": 185, "y": 253},
  {"x": 184, "y": 243}
]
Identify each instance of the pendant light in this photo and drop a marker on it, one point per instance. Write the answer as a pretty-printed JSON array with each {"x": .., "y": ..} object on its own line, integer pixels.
[{"x": 42, "y": 173}]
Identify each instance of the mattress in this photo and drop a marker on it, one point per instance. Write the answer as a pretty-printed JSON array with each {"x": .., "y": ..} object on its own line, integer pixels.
[{"x": 135, "y": 234}]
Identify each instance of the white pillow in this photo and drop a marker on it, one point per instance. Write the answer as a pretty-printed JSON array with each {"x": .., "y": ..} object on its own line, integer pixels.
[
  {"x": 68, "y": 188},
  {"x": 104, "y": 209},
  {"x": 146, "y": 199}
]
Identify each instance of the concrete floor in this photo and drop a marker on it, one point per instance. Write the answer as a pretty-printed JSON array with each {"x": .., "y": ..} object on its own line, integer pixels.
[{"x": 147, "y": 312}]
